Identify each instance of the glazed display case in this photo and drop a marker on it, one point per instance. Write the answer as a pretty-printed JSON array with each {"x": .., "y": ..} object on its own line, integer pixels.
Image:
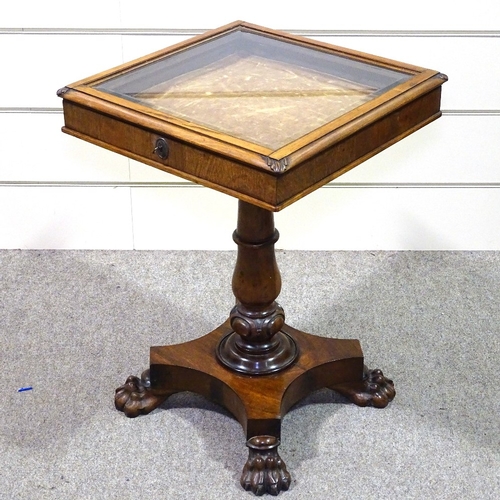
[{"x": 258, "y": 114}]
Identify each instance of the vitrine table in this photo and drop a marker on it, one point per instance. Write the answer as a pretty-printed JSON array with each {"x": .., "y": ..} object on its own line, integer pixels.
[{"x": 266, "y": 117}]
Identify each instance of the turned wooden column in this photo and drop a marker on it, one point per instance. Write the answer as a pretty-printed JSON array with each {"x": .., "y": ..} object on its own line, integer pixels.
[{"x": 257, "y": 345}]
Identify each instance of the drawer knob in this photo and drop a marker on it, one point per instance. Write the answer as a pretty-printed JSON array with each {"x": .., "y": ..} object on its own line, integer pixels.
[{"x": 161, "y": 148}]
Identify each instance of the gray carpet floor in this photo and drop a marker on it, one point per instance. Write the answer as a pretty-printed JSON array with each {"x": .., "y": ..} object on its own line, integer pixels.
[{"x": 75, "y": 324}]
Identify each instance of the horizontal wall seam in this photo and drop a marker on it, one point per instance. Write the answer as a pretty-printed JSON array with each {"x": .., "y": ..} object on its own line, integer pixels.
[
  {"x": 187, "y": 184},
  {"x": 302, "y": 32},
  {"x": 471, "y": 112},
  {"x": 49, "y": 110},
  {"x": 32, "y": 110}
]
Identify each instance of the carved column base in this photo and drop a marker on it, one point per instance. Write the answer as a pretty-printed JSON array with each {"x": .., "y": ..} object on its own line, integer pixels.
[
  {"x": 257, "y": 346},
  {"x": 278, "y": 356}
]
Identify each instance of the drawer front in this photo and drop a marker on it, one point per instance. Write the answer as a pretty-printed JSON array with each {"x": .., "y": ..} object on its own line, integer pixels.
[{"x": 171, "y": 155}]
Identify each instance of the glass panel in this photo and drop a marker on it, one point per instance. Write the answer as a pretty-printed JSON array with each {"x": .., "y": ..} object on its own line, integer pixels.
[{"x": 264, "y": 90}]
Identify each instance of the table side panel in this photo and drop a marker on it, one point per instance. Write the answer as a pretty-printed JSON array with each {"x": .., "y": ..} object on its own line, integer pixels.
[
  {"x": 184, "y": 160},
  {"x": 356, "y": 148}
]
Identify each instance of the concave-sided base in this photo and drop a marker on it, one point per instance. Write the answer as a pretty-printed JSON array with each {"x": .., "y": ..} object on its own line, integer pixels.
[{"x": 258, "y": 402}]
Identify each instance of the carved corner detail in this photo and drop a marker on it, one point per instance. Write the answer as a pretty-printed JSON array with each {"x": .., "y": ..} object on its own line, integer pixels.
[
  {"x": 278, "y": 166},
  {"x": 62, "y": 91},
  {"x": 265, "y": 471}
]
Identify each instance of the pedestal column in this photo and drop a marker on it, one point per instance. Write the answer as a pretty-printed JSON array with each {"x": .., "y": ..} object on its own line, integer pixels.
[{"x": 257, "y": 346}]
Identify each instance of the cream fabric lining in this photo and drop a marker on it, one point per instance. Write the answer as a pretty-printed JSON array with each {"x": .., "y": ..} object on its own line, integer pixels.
[{"x": 263, "y": 101}]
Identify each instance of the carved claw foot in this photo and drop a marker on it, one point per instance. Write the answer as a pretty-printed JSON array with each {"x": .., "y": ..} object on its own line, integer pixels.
[
  {"x": 375, "y": 389},
  {"x": 136, "y": 397},
  {"x": 265, "y": 471}
]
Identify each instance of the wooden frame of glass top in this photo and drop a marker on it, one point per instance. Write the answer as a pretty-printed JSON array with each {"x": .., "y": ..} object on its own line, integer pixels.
[{"x": 259, "y": 114}]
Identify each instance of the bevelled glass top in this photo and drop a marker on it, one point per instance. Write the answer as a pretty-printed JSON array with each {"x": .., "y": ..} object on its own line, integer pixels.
[{"x": 254, "y": 87}]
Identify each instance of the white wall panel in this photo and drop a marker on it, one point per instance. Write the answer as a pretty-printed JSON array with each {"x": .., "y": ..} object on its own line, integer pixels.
[
  {"x": 328, "y": 219},
  {"x": 135, "y": 46},
  {"x": 393, "y": 219},
  {"x": 315, "y": 14},
  {"x": 55, "y": 14},
  {"x": 183, "y": 217},
  {"x": 199, "y": 14},
  {"x": 37, "y": 151},
  {"x": 437, "y": 189},
  {"x": 193, "y": 218},
  {"x": 38, "y": 65},
  {"x": 65, "y": 217},
  {"x": 139, "y": 172}
]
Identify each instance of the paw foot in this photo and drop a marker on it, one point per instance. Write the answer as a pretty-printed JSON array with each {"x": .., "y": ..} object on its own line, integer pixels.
[
  {"x": 265, "y": 471},
  {"x": 136, "y": 397},
  {"x": 375, "y": 389}
]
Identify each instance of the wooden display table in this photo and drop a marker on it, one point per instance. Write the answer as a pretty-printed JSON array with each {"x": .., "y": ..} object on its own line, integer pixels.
[{"x": 266, "y": 117}]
